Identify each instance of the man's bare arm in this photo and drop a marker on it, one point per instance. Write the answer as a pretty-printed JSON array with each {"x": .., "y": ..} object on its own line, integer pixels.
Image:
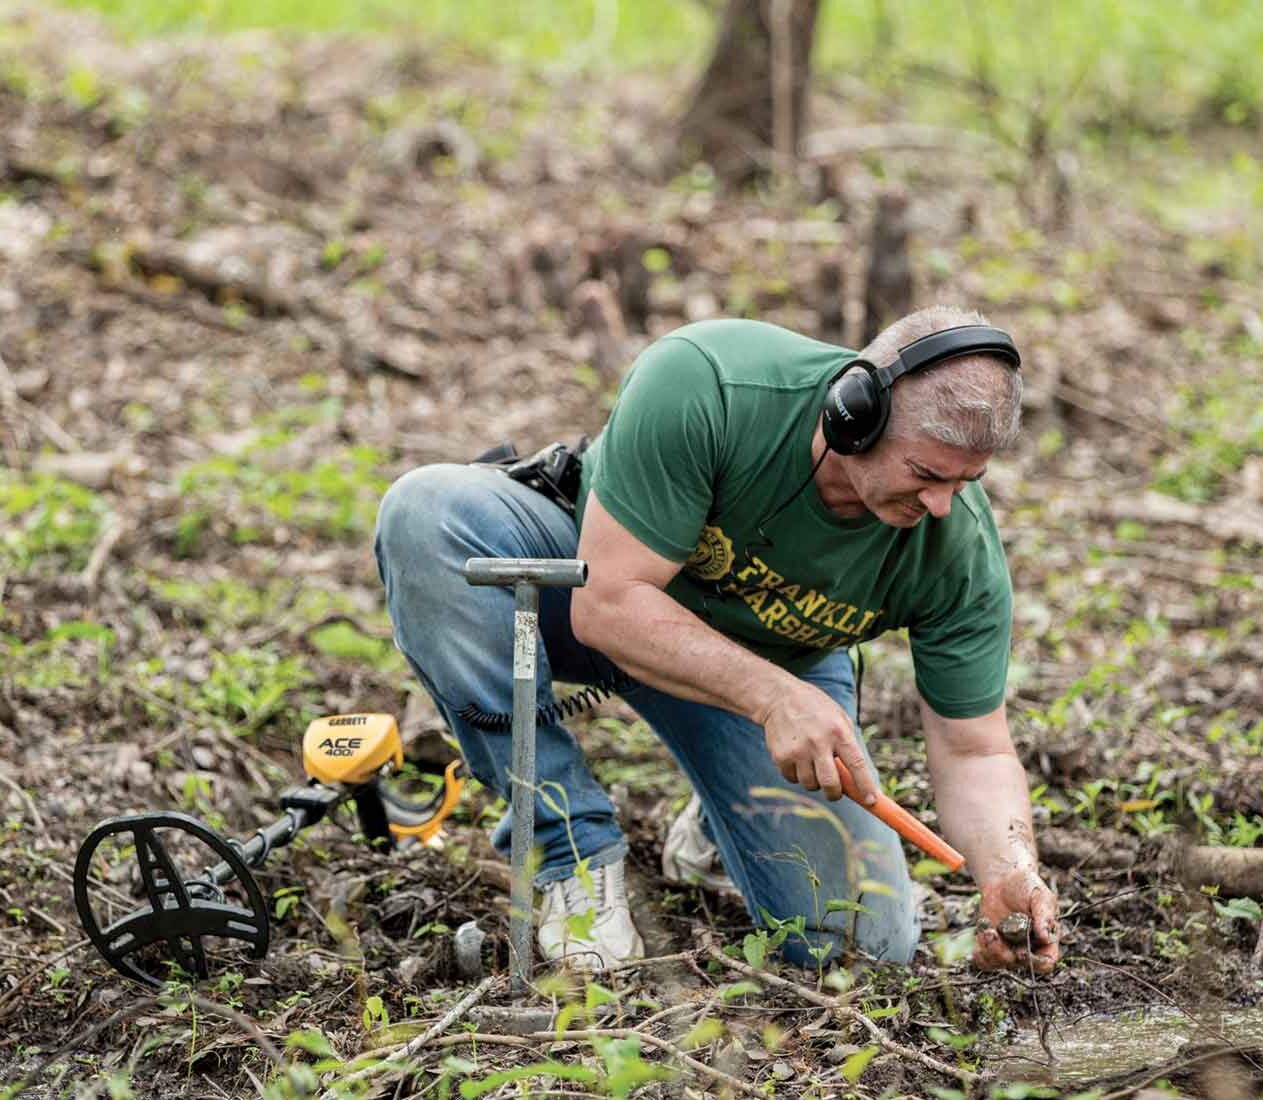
[
  {"x": 984, "y": 809},
  {"x": 624, "y": 612}
]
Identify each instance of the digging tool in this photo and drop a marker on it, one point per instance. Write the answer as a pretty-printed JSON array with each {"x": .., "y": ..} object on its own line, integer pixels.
[
  {"x": 527, "y": 576},
  {"x": 345, "y": 756},
  {"x": 904, "y": 823}
]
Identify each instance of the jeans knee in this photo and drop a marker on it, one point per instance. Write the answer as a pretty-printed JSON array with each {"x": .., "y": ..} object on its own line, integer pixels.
[{"x": 411, "y": 512}]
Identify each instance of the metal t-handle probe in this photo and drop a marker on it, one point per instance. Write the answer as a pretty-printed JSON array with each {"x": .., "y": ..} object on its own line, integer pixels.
[{"x": 527, "y": 576}]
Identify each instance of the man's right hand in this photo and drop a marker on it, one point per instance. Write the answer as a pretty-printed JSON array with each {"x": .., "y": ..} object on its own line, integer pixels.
[{"x": 805, "y": 729}]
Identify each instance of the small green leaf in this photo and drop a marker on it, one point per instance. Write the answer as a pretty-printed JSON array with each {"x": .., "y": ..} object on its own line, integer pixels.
[
  {"x": 706, "y": 1031},
  {"x": 579, "y": 925},
  {"x": 739, "y": 989},
  {"x": 568, "y": 1012},
  {"x": 951, "y": 1039},
  {"x": 656, "y": 260},
  {"x": 837, "y": 905},
  {"x": 857, "y": 1063},
  {"x": 597, "y": 995},
  {"x": 754, "y": 948},
  {"x": 312, "y": 1041},
  {"x": 470, "y": 1090},
  {"x": 583, "y": 872},
  {"x": 927, "y": 868},
  {"x": 1240, "y": 909}
]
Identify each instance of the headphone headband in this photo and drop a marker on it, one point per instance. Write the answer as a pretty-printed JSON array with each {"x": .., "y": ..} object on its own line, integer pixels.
[
  {"x": 949, "y": 344},
  {"x": 857, "y": 404}
]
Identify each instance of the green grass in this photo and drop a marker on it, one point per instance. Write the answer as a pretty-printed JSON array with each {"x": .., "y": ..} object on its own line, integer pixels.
[
  {"x": 47, "y": 521},
  {"x": 1150, "y": 63},
  {"x": 542, "y": 30}
]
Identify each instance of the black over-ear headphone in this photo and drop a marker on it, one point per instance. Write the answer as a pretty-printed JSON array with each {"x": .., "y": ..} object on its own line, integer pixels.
[{"x": 857, "y": 404}]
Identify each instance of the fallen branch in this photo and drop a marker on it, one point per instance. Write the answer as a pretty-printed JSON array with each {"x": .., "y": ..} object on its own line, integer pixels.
[
  {"x": 1238, "y": 872},
  {"x": 548, "y": 1038},
  {"x": 847, "y": 1014},
  {"x": 391, "y": 1062},
  {"x": 27, "y": 801},
  {"x": 202, "y": 312},
  {"x": 91, "y": 575}
]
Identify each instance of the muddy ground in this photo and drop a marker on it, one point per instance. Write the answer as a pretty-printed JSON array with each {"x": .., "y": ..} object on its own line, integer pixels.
[{"x": 244, "y": 284}]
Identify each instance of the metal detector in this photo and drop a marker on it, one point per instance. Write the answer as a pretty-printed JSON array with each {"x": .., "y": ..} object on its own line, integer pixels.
[{"x": 345, "y": 756}]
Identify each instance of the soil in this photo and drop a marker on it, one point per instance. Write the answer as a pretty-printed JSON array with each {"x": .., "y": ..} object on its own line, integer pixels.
[{"x": 328, "y": 260}]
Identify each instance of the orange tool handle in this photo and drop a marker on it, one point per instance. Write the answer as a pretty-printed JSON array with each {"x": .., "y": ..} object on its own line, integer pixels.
[{"x": 888, "y": 810}]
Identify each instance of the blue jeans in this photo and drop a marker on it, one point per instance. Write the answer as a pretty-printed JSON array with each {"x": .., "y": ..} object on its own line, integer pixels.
[{"x": 790, "y": 852}]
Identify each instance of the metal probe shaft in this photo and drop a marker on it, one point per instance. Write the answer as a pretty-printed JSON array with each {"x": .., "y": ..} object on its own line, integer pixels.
[{"x": 527, "y": 576}]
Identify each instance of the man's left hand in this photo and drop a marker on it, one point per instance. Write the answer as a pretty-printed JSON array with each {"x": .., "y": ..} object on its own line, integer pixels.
[{"x": 1019, "y": 891}]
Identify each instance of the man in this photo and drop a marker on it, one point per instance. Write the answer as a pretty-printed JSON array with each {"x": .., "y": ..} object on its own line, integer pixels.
[{"x": 747, "y": 515}]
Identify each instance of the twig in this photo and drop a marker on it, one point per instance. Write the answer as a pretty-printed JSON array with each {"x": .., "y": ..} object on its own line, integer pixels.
[
  {"x": 35, "y": 973},
  {"x": 1256, "y": 960},
  {"x": 36, "y": 820},
  {"x": 834, "y": 1004},
  {"x": 52, "y": 922},
  {"x": 413, "y": 1045},
  {"x": 636, "y": 964},
  {"x": 849, "y": 1014},
  {"x": 116, "y": 894},
  {"x": 536, "y": 1038},
  {"x": 247, "y": 1025},
  {"x": 653, "y": 1041},
  {"x": 91, "y": 575},
  {"x": 53, "y": 432}
]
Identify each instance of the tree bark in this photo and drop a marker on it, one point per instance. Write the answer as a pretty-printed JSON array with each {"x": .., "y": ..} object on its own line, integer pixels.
[{"x": 749, "y": 110}]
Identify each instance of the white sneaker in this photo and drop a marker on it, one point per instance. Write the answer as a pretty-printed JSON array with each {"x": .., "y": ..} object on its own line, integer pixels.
[
  {"x": 611, "y": 938},
  {"x": 690, "y": 857}
]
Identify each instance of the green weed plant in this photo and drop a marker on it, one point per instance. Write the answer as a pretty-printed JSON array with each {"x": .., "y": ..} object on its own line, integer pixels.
[{"x": 48, "y": 523}]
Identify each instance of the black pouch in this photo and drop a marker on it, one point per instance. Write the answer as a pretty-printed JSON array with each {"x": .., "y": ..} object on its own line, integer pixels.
[{"x": 553, "y": 471}]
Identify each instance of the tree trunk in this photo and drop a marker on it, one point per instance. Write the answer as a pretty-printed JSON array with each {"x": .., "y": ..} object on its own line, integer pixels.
[{"x": 749, "y": 111}]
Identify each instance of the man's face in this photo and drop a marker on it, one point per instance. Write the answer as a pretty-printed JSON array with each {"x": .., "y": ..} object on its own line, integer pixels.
[{"x": 902, "y": 480}]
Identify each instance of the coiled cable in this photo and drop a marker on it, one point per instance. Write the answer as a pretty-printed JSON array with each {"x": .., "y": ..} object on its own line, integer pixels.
[{"x": 557, "y": 711}]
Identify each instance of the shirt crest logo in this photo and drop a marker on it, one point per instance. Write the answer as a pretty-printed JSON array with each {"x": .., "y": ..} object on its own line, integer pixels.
[{"x": 712, "y": 557}]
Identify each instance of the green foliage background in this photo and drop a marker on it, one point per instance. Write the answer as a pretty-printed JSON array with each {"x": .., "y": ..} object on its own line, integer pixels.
[{"x": 1143, "y": 63}]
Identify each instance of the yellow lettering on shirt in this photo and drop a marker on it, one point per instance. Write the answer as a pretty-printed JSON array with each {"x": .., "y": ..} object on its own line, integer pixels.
[
  {"x": 772, "y": 614},
  {"x": 788, "y": 625},
  {"x": 809, "y": 603},
  {"x": 755, "y": 567}
]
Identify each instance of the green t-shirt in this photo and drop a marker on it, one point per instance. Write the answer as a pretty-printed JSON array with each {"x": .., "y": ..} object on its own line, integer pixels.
[{"x": 711, "y": 435}]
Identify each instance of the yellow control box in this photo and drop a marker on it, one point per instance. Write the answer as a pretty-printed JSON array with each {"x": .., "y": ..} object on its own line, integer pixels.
[{"x": 351, "y": 748}]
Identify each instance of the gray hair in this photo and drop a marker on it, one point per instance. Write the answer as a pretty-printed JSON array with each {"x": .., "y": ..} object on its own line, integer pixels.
[{"x": 973, "y": 402}]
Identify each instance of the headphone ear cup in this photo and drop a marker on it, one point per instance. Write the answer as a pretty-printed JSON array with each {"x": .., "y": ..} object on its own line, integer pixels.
[{"x": 856, "y": 409}]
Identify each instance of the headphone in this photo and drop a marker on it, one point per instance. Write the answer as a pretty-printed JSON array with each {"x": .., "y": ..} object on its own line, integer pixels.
[{"x": 857, "y": 404}]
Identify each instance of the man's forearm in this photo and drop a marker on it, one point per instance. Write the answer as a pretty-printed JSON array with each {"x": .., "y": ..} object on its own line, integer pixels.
[
  {"x": 653, "y": 638},
  {"x": 985, "y": 811}
]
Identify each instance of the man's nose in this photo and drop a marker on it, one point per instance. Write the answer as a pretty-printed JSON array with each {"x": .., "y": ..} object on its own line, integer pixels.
[{"x": 937, "y": 499}]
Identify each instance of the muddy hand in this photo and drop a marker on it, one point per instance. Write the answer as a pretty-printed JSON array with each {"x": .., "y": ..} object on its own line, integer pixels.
[{"x": 1004, "y": 940}]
